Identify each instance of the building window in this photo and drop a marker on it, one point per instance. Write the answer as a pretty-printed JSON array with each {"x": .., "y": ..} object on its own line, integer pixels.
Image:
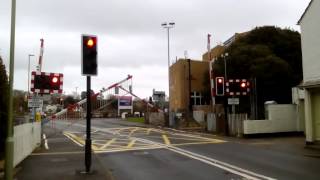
[{"x": 196, "y": 98}]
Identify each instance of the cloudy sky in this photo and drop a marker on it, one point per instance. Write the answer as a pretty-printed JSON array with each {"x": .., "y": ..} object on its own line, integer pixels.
[{"x": 131, "y": 39}]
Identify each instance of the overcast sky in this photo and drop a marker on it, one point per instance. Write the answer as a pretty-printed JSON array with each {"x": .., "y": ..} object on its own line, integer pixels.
[{"x": 131, "y": 39}]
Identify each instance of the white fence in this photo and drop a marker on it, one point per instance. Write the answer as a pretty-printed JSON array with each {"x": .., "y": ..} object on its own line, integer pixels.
[
  {"x": 26, "y": 138},
  {"x": 199, "y": 116},
  {"x": 235, "y": 124}
]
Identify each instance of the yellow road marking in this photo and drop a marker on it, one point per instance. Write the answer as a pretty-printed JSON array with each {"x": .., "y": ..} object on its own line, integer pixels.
[
  {"x": 132, "y": 149},
  {"x": 117, "y": 130},
  {"x": 107, "y": 144},
  {"x": 195, "y": 143},
  {"x": 79, "y": 140},
  {"x": 132, "y": 131},
  {"x": 198, "y": 139},
  {"x": 131, "y": 143},
  {"x": 166, "y": 139}
]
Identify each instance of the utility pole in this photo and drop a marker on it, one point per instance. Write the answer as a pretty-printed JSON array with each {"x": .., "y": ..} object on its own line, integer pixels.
[{"x": 8, "y": 171}]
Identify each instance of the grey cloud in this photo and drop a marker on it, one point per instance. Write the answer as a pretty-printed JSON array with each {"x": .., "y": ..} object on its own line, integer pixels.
[{"x": 129, "y": 31}]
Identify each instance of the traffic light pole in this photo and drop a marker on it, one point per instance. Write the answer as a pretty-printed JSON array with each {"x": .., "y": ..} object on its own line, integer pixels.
[{"x": 88, "y": 136}]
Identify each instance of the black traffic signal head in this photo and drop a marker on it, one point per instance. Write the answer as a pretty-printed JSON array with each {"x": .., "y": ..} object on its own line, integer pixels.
[
  {"x": 219, "y": 86},
  {"x": 89, "y": 55}
]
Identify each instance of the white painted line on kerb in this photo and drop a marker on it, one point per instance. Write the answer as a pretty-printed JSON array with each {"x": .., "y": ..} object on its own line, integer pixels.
[{"x": 45, "y": 141}]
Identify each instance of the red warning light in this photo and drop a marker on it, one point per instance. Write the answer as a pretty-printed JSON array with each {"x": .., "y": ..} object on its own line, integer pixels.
[
  {"x": 220, "y": 80},
  {"x": 243, "y": 85},
  {"x": 54, "y": 80}
]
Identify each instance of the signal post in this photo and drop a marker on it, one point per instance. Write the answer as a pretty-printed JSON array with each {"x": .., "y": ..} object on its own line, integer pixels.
[{"x": 89, "y": 68}]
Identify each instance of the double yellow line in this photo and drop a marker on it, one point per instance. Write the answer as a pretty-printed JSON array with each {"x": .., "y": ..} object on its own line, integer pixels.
[{"x": 78, "y": 140}]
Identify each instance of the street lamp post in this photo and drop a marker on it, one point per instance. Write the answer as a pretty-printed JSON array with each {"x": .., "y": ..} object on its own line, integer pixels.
[
  {"x": 225, "y": 64},
  {"x": 8, "y": 169},
  {"x": 168, "y": 26},
  {"x": 225, "y": 97},
  {"x": 29, "y": 74}
]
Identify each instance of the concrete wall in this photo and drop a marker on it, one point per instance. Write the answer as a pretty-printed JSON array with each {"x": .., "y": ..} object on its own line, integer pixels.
[
  {"x": 26, "y": 138},
  {"x": 211, "y": 122},
  {"x": 315, "y": 113},
  {"x": 282, "y": 118},
  {"x": 199, "y": 116},
  {"x": 157, "y": 119},
  {"x": 310, "y": 33}
]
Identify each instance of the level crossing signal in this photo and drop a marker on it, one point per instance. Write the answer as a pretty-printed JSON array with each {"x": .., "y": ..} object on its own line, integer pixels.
[
  {"x": 237, "y": 87},
  {"x": 89, "y": 62},
  {"x": 46, "y": 83}
]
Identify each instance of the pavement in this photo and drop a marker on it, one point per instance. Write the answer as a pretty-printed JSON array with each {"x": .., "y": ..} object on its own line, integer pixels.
[{"x": 125, "y": 150}]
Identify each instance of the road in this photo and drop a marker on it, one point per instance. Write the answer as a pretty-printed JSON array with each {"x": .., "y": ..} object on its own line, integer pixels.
[{"x": 146, "y": 153}]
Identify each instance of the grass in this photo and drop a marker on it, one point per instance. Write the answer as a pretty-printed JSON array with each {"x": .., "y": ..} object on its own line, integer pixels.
[{"x": 136, "y": 119}]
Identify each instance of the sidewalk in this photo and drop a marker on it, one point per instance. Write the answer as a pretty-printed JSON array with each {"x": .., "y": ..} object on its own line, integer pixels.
[{"x": 63, "y": 161}]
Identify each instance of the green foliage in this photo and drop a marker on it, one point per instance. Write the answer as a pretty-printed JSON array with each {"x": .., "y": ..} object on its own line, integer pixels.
[
  {"x": 136, "y": 119},
  {"x": 4, "y": 87},
  {"x": 269, "y": 54},
  {"x": 20, "y": 105}
]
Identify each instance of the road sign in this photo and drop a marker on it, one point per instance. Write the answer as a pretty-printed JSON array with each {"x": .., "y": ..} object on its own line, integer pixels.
[
  {"x": 35, "y": 103},
  {"x": 233, "y": 101}
]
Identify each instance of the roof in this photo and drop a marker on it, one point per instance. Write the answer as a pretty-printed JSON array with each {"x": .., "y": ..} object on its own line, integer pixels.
[{"x": 305, "y": 11}]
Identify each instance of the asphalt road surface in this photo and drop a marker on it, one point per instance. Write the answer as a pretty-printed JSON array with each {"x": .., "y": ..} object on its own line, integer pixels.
[{"x": 145, "y": 153}]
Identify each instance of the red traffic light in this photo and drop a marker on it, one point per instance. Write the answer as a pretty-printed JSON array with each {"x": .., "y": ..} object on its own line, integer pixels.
[
  {"x": 219, "y": 86},
  {"x": 54, "y": 79}
]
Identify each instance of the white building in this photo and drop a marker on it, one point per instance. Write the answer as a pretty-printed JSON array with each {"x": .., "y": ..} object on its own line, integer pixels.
[{"x": 310, "y": 41}]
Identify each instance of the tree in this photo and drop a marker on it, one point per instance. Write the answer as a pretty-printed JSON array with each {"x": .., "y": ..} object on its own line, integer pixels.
[
  {"x": 20, "y": 105},
  {"x": 269, "y": 54},
  {"x": 69, "y": 100},
  {"x": 4, "y": 90}
]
